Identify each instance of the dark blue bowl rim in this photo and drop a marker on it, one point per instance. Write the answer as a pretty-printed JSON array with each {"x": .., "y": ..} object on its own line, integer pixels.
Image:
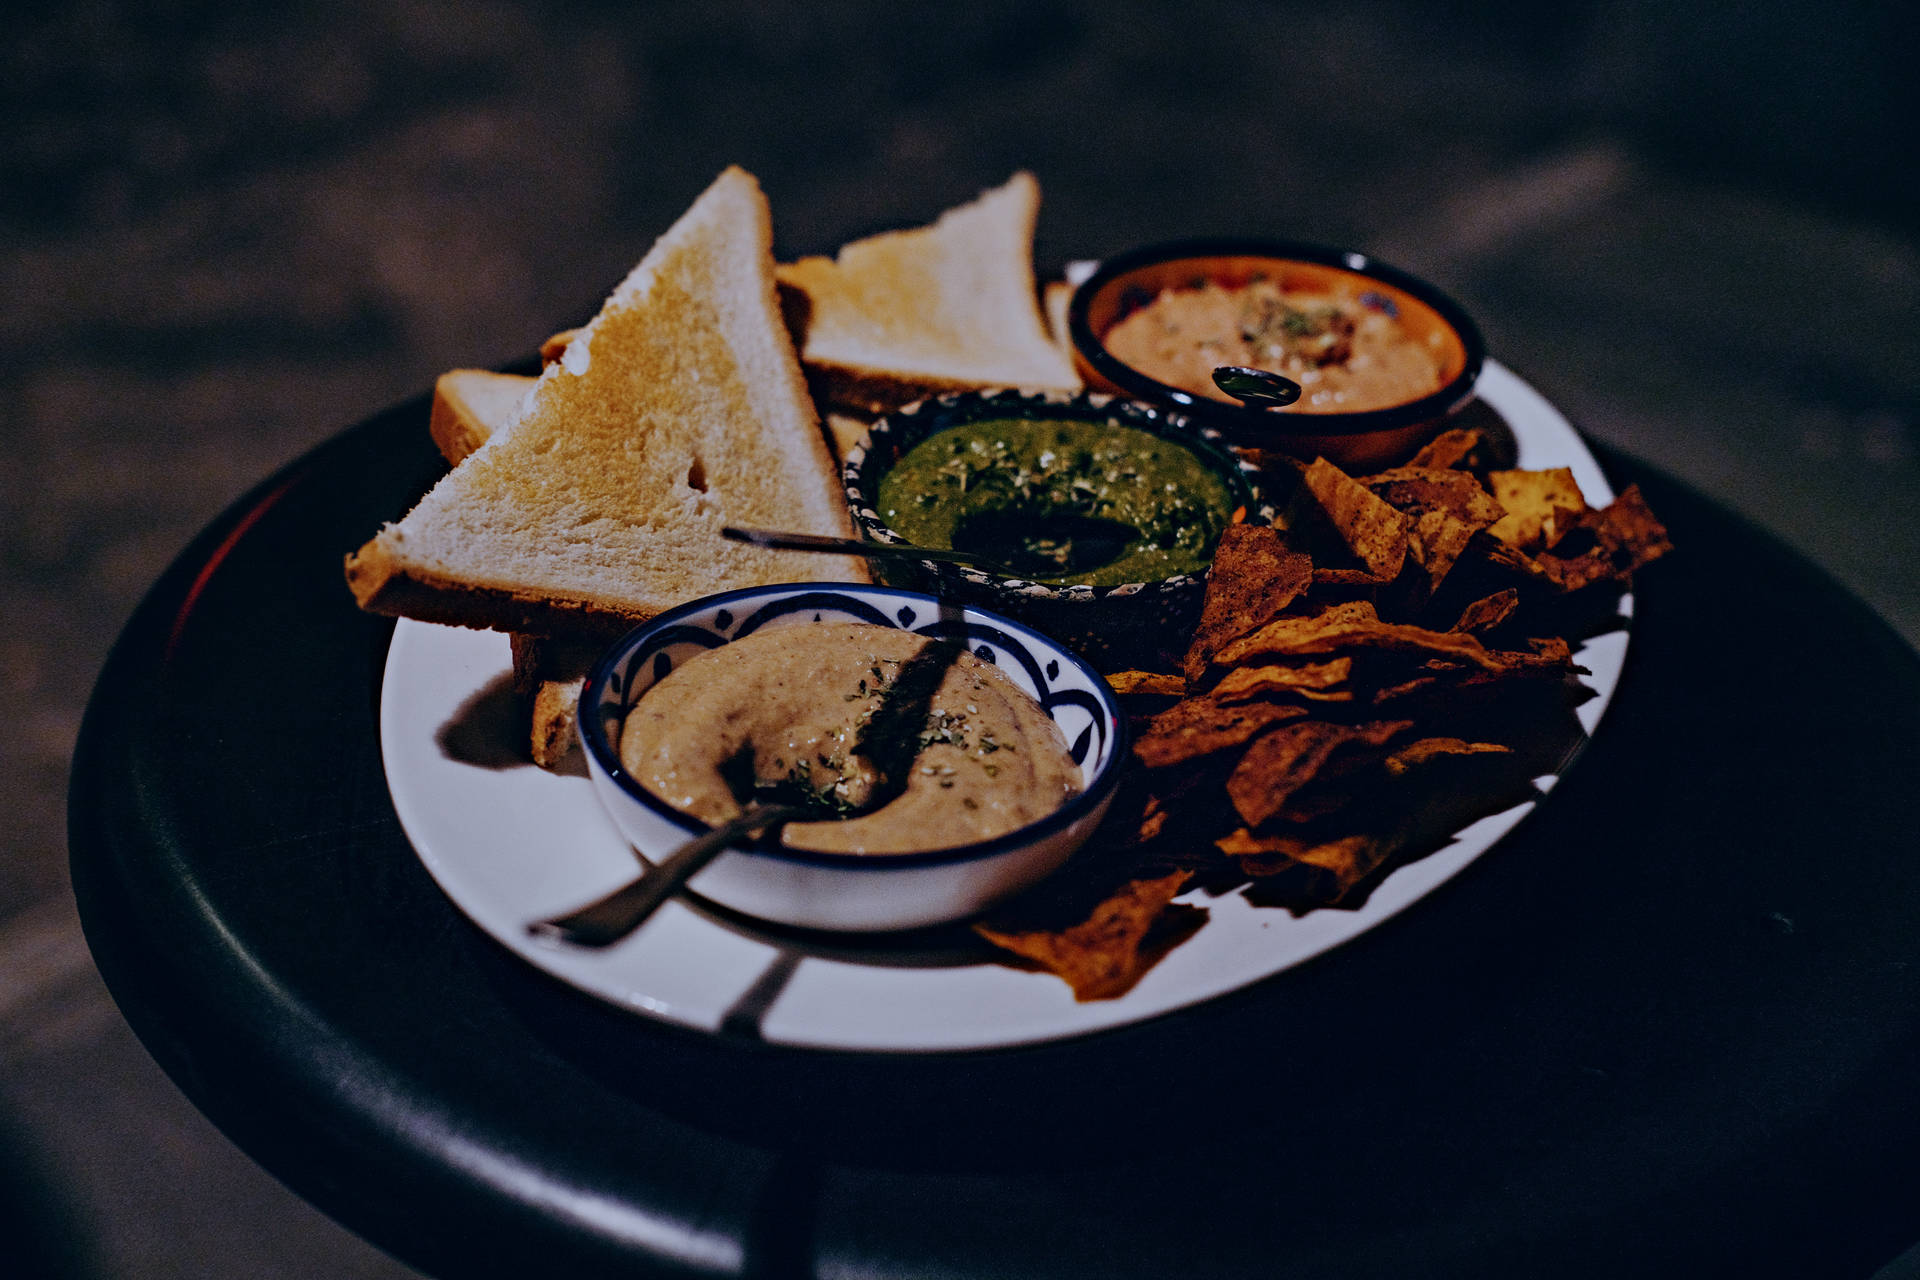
[
  {"x": 925, "y": 417},
  {"x": 604, "y": 754},
  {"x": 1255, "y": 426}
]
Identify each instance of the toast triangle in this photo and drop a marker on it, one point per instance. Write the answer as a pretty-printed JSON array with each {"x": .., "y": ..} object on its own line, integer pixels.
[
  {"x": 678, "y": 409},
  {"x": 946, "y": 307}
]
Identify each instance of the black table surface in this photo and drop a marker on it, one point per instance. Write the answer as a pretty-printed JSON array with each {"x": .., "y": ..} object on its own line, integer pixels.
[{"x": 1670, "y": 1025}]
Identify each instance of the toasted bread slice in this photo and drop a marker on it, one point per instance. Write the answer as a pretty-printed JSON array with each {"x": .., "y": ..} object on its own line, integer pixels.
[
  {"x": 1056, "y": 299},
  {"x": 680, "y": 408},
  {"x": 470, "y": 405},
  {"x": 548, "y": 675},
  {"x": 947, "y": 307},
  {"x": 556, "y": 346}
]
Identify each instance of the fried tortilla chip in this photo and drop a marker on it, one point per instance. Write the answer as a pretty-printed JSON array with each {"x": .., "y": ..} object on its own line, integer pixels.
[
  {"x": 1104, "y": 955},
  {"x": 1331, "y": 866},
  {"x": 1419, "y": 490},
  {"x": 1373, "y": 531},
  {"x": 1450, "y": 450},
  {"x": 1345, "y": 581},
  {"x": 1437, "y": 542},
  {"x": 1200, "y": 726},
  {"x": 1551, "y": 659},
  {"x": 1488, "y": 612},
  {"x": 1537, "y": 505},
  {"x": 1345, "y": 628},
  {"x": 1606, "y": 545},
  {"x": 1254, "y": 577},
  {"x": 1127, "y": 683},
  {"x": 1317, "y": 681},
  {"x": 1285, "y": 759},
  {"x": 1415, "y": 754}
]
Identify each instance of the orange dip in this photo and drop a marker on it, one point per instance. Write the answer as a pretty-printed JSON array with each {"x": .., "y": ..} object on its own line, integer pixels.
[{"x": 1348, "y": 352}]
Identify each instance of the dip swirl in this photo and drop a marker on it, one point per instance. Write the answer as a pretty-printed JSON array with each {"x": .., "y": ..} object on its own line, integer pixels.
[
  {"x": 1022, "y": 489},
  {"x": 1348, "y": 351},
  {"x": 784, "y": 709}
]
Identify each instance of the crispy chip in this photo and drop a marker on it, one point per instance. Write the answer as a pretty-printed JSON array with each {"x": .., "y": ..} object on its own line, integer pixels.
[
  {"x": 1415, "y": 754},
  {"x": 1449, "y": 450},
  {"x": 1550, "y": 659},
  {"x": 1333, "y": 865},
  {"x": 1102, "y": 956},
  {"x": 1288, "y": 758},
  {"x": 1125, "y": 683},
  {"x": 1346, "y": 627},
  {"x": 1373, "y": 532},
  {"x": 1537, "y": 505},
  {"x": 1343, "y": 581},
  {"x": 1200, "y": 726},
  {"x": 1606, "y": 545},
  {"x": 1437, "y": 542},
  {"x": 1314, "y": 680},
  {"x": 1254, "y": 577},
  {"x": 1419, "y": 490},
  {"x": 1484, "y": 614}
]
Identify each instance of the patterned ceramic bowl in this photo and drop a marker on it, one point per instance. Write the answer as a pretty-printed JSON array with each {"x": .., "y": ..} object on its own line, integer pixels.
[
  {"x": 861, "y": 892},
  {"x": 1113, "y": 626}
]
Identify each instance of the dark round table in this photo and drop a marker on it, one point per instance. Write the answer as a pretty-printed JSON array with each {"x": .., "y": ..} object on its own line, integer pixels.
[{"x": 1670, "y": 1026}]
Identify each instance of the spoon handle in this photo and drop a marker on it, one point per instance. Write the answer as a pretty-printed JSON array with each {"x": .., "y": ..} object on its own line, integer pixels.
[
  {"x": 782, "y": 541},
  {"x": 608, "y": 919}
]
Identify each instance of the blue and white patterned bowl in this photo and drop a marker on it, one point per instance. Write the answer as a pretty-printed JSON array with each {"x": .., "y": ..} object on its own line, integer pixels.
[
  {"x": 856, "y": 891},
  {"x": 1132, "y": 624}
]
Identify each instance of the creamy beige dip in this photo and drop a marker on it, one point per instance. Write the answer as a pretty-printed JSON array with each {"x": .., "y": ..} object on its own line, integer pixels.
[
  {"x": 1347, "y": 356},
  {"x": 787, "y": 706}
]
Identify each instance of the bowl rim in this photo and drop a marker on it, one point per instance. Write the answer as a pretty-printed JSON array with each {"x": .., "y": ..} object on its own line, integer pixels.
[
  {"x": 1201, "y": 439},
  {"x": 1253, "y": 426},
  {"x": 1088, "y": 801}
]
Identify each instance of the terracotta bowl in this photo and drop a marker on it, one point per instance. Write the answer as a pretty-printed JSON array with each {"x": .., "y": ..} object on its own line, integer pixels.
[{"x": 1366, "y": 440}]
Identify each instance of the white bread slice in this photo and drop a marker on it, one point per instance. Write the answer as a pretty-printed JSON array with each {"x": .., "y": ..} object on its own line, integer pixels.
[
  {"x": 548, "y": 675},
  {"x": 470, "y": 405},
  {"x": 680, "y": 408},
  {"x": 947, "y": 307},
  {"x": 1056, "y": 299}
]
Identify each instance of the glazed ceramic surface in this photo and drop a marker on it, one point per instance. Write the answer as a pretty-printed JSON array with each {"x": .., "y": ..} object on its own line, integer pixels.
[
  {"x": 510, "y": 843},
  {"x": 1113, "y": 627},
  {"x": 852, "y": 891},
  {"x": 1366, "y": 440}
]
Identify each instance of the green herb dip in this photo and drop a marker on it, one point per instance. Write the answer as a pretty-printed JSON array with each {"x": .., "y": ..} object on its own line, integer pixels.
[{"x": 1065, "y": 501}]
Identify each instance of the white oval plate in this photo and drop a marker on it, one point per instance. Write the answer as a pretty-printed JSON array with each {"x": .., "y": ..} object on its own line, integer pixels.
[{"x": 510, "y": 843}]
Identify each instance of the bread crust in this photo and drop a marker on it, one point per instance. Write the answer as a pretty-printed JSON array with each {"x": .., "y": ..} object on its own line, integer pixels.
[
  {"x": 554, "y": 716},
  {"x": 462, "y": 419},
  {"x": 881, "y": 391},
  {"x": 703, "y": 301},
  {"x": 385, "y": 583},
  {"x": 867, "y": 319}
]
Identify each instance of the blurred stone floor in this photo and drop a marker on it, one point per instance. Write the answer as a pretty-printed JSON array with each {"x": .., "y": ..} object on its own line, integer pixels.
[{"x": 225, "y": 236}]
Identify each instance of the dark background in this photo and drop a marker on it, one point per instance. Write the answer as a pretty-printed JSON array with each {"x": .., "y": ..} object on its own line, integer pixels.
[{"x": 225, "y": 235}]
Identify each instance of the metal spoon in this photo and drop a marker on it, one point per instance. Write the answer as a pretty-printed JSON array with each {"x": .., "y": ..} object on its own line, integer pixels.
[
  {"x": 890, "y": 740},
  {"x": 1256, "y": 388},
  {"x": 606, "y": 920},
  {"x": 781, "y": 541}
]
